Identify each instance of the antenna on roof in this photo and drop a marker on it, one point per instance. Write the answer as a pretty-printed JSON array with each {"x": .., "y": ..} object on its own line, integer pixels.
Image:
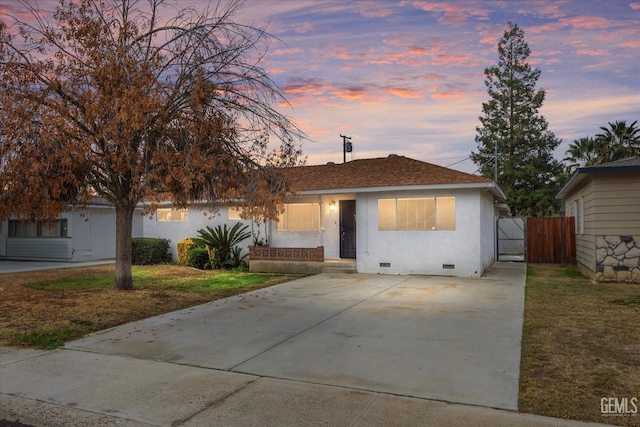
[{"x": 347, "y": 147}]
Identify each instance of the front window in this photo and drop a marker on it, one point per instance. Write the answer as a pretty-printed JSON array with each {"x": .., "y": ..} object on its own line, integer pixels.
[
  {"x": 47, "y": 229},
  {"x": 169, "y": 214},
  {"x": 428, "y": 213},
  {"x": 299, "y": 217}
]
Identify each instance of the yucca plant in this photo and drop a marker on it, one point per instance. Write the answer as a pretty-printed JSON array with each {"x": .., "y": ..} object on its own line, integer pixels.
[{"x": 223, "y": 242}]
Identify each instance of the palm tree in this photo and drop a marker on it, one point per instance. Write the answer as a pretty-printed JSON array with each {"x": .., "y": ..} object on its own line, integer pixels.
[
  {"x": 581, "y": 152},
  {"x": 618, "y": 141}
]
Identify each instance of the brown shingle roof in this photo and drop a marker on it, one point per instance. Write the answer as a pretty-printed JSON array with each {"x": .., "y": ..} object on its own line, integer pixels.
[{"x": 380, "y": 172}]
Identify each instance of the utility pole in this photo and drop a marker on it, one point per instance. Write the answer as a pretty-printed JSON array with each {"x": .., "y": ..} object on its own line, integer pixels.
[
  {"x": 346, "y": 147},
  {"x": 495, "y": 161}
]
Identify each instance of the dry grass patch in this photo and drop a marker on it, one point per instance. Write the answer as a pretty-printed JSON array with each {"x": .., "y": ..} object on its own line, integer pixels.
[
  {"x": 580, "y": 343},
  {"x": 47, "y": 308}
]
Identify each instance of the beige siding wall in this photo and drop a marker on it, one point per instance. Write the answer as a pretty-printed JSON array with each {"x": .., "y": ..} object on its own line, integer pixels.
[
  {"x": 611, "y": 206},
  {"x": 617, "y": 204},
  {"x": 582, "y": 198}
]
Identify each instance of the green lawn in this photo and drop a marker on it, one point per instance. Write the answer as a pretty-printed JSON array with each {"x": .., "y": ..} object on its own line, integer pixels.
[{"x": 151, "y": 278}]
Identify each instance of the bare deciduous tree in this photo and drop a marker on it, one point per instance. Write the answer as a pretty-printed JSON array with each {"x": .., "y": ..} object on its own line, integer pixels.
[{"x": 137, "y": 101}]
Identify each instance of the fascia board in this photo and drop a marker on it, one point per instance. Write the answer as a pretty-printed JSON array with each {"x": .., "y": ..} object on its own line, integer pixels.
[{"x": 496, "y": 191}]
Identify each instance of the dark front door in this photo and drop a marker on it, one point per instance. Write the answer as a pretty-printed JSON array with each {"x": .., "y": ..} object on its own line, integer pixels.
[{"x": 348, "y": 229}]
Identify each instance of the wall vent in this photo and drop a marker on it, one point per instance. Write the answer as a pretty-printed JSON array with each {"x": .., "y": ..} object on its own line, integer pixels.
[
  {"x": 449, "y": 266},
  {"x": 385, "y": 264}
]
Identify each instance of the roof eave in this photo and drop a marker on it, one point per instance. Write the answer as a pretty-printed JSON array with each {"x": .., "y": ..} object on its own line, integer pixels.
[
  {"x": 491, "y": 186},
  {"x": 581, "y": 174}
]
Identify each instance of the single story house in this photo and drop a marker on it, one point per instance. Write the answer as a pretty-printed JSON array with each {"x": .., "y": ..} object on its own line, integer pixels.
[
  {"x": 84, "y": 235},
  {"x": 391, "y": 215},
  {"x": 605, "y": 201}
]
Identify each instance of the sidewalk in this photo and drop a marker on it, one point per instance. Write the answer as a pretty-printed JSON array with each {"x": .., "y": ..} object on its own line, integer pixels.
[
  {"x": 77, "y": 388},
  {"x": 11, "y": 266}
]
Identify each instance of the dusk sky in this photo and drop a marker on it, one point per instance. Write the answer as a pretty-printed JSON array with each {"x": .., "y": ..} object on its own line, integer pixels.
[{"x": 406, "y": 77}]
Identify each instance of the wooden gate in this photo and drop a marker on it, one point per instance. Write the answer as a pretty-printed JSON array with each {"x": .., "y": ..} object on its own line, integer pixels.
[{"x": 551, "y": 240}]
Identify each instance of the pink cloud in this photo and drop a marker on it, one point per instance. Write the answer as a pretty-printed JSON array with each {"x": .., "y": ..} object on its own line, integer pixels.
[
  {"x": 634, "y": 6},
  {"x": 462, "y": 60},
  {"x": 281, "y": 52},
  {"x": 632, "y": 44},
  {"x": 429, "y": 77},
  {"x": 543, "y": 10},
  {"x": 403, "y": 92},
  {"x": 340, "y": 52},
  {"x": 399, "y": 40},
  {"x": 591, "y": 52},
  {"x": 577, "y": 22},
  {"x": 447, "y": 95},
  {"x": 453, "y": 13},
  {"x": 351, "y": 93},
  {"x": 370, "y": 9}
]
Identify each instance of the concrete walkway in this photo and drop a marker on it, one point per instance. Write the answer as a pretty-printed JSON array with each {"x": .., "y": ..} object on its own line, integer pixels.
[
  {"x": 11, "y": 266},
  {"x": 352, "y": 350}
]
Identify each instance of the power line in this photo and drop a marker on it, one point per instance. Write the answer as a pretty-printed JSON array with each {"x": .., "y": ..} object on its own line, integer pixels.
[{"x": 459, "y": 161}]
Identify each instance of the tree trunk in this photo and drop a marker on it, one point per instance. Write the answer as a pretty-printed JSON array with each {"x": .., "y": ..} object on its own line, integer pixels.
[{"x": 124, "y": 222}]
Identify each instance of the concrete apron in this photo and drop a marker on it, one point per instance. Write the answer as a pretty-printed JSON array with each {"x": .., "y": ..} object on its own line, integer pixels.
[
  {"x": 442, "y": 338},
  {"x": 445, "y": 338}
]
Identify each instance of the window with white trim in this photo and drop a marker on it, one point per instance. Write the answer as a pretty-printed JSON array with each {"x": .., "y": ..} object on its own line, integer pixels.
[
  {"x": 170, "y": 214},
  {"x": 578, "y": 214},
  {"x": 428, "y": 213},
  {"x": 299, "y": 217},
  {"x": 46, "y": 229},
  {"x": 233, "y": 213}
]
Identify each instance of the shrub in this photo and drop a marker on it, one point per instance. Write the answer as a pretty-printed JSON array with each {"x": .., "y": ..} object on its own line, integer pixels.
[
  {"x": 198, "y": 258},
  {"x": 146, "y": 250},
  {"x": 183, "y": 248},
  {"x": 223, "y": 241}
]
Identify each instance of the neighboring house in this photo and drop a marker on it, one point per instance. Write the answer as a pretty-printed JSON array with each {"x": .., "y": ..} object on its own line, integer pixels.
[
  {"x": 392, "y": 215},
  {"x": 605, "y": 201},
  {"x": 85, "y": 235}
]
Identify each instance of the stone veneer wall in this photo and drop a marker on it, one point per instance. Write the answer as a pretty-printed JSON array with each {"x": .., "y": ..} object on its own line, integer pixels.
[{"x": 618, "y": 259}]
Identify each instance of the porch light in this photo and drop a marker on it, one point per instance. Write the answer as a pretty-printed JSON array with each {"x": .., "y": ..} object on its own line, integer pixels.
[{"x": 332, "y": 206}]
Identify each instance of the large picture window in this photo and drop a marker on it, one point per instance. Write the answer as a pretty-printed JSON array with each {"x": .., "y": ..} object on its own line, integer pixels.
[
  {"x": 429, "y": 213},
  {"x": 168, "y": 214},
  {"x": 300, "y": 217},
  {"x": 57, "y": 228}
]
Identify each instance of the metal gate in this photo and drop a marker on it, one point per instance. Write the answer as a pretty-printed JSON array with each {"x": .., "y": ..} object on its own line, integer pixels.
[{"x": 511, "y": 239}]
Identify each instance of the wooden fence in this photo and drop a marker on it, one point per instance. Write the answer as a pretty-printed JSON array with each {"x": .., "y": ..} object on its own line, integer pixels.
[{"x": 551, "y": 240}]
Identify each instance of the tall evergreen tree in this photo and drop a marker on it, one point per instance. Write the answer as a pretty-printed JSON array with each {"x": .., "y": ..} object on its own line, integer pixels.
[{"x": 514, "y": 133}]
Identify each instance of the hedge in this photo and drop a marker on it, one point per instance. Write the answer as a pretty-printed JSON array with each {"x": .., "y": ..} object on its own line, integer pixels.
[
  {"x": 146, "y": 250},
  {"x": 199, "y": 258}
]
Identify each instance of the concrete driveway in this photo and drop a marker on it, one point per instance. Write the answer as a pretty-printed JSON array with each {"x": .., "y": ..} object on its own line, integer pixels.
[{"x": 443, "y": 338}]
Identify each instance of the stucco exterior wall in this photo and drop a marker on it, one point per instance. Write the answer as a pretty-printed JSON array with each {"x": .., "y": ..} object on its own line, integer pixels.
[
  {"x": 197, "y": 218},
  {"x": 421, "y": 252},
  {"x": 488, "y": 234}
]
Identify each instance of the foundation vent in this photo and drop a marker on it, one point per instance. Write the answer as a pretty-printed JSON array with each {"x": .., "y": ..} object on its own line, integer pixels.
[
  {"x": 385, "y": 264},
  {"x": 449, "y": 266}
]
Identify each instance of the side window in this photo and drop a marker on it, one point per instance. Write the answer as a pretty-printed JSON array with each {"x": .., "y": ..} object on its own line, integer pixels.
[{"x": 169, "y": 214}]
